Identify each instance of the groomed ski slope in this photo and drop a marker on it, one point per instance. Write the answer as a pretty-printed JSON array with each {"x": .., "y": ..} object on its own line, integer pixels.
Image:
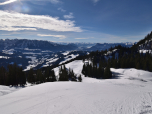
[
  {"x": 6, "y": 90},
  {"x": 129, "y": 93}
]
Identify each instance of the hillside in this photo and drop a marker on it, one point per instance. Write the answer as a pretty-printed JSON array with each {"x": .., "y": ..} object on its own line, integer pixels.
[
  {"x": 128, "y": 93},
  {"x": 144, "y": 44}
]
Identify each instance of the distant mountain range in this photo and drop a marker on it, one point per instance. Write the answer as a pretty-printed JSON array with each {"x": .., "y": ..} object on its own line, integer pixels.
[
  {"x": 38, "y": 53},
  {"x": 105, "y": 46},
  {"x": 34, "y": 44},
  {"x": 8, "y": 44},
  {"x": 97, "y": 46}
]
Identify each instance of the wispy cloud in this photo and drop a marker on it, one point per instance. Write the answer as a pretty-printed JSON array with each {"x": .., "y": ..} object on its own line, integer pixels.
[
  {"x": 57, "y": 36},
  {"x": 11, "y": 1},
  {"x": 81, "y": 38},
  {"x": 95, "y": 1},
  {"x": 7, "y": 2},
  {"x": 54, "y": 1},
  {"x": 13, "y": 21},
  {"x": 7, "y": 28},
  {"x": 62, "y": 10},
  {"x": 70, "y": 16}
]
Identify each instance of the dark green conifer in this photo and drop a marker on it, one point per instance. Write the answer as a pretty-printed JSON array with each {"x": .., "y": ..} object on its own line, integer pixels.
[{"x": 80, "y": 78}]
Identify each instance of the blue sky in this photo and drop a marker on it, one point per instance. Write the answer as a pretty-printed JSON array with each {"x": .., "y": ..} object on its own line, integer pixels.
[{"x": 96, "y": 21}]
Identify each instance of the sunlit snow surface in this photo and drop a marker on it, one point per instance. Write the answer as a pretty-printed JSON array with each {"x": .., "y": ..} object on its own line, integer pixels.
[
  {"x": 144, "y": 51},
  {"x": 130, "y": 92},
  {"x": 6, "y": 90}
]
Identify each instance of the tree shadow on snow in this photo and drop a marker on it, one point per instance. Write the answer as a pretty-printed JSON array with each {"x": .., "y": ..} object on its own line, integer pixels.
[{"x": 116, "y": 75}]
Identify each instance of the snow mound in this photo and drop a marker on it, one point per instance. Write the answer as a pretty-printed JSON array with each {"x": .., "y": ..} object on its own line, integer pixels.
[
  {"x": 132, "y": 74},
  {"x": 6, "y": 90}
]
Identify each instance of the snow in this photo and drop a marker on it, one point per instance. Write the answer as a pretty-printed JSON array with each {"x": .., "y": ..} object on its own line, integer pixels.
[
  {"x": 33, "y": 63},
  {"x": 144, "y": 51},
  {"x": 128, "y": 93},
  {"x": 76, "y": 66},
  {"x": 31, "y": 49},
  {"x": 31, "y": 53},
  {"x": 31, "y": 57},
  {"x": 66, "y": 53},
  {"x": 4, "y": 57},
  {"x": 132, "y": 76},
  {"x": 6, "y": 90},
  {"x": 10, "y": 52},
  {"x": 29, "y": 67},
  {"x": 50, "y": 61},
  {"x": 72, "y": 56}
]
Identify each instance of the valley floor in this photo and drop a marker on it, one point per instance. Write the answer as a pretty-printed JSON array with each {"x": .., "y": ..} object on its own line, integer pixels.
[{"x": 129, "y": 93}]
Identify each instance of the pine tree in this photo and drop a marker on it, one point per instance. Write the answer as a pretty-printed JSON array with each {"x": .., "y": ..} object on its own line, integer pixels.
[
  {"x": 63, "y": 74},
  {"x": 22, "y": 77},
  {"x": 10, "y": 74},
  {"x": 47, "y": 75},
  {"x": 3, "y": 76},
  {"x": 53, "y": 77},
  {"x": 31, "y": 77},
  {"x": 38, "y": 75},
  {"x": 73, "y": 76},
  {"x": 80, "y": 78},
  {"x": 42, "y": 78},
  {"x": 84, "y": 69},
  {"x": 107, "y": 73},
  {"x": 150, "y": 66},
  {"x": 138, "y": 65}
]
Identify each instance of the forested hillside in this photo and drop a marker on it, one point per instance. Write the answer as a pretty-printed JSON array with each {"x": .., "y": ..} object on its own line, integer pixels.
[{"x": 97, "y": 64}]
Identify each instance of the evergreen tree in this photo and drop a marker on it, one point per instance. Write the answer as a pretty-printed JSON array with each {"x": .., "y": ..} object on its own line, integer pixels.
[
  {"x": 11, "y": 75},
  {"x": 53, "y": 77},
  {"x": 73, "y": 76},
  {"x": 80, "y": 78},
  {"x": 22, "y": 77},
  {"x": 63, "y": 74},
  {"x": 3, "y": 78},
  {"x": 38, "y": 75},
  {"x": 107, "y": 73},
  {"x": 31, "y": 77},
  {"x": 138, "y": 65},
  {"x": 42, "y": 78},
  {"x": 47, "y": 75},
  {"x": 84, "y": 69}
]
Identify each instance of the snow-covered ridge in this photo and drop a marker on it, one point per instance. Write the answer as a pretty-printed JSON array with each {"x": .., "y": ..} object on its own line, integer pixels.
[
  {"x": 104, "y": 46},
  {"x": 146, "y": 47}
]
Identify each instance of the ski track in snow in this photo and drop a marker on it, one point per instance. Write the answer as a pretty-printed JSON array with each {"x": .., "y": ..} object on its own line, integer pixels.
[
  {"x": 128, "y": 94},
  {"x": 78, "y": 98}
]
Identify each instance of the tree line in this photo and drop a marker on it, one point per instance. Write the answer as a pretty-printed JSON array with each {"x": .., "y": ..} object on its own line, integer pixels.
[
  {"x": 96, "y": 71},
  {"x": 123, "y": 57},
  {"x": 68, "y": 75},
  {"x": 14, "y": 75},
  {"x": 48, "y": 75}
]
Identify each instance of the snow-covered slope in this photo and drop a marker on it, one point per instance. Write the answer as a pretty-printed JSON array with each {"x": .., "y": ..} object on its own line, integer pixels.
[
  {"x": 128, "y": 93},
  {"x": 6, "y": 90},
  {"x": 76, "y": 66}
]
